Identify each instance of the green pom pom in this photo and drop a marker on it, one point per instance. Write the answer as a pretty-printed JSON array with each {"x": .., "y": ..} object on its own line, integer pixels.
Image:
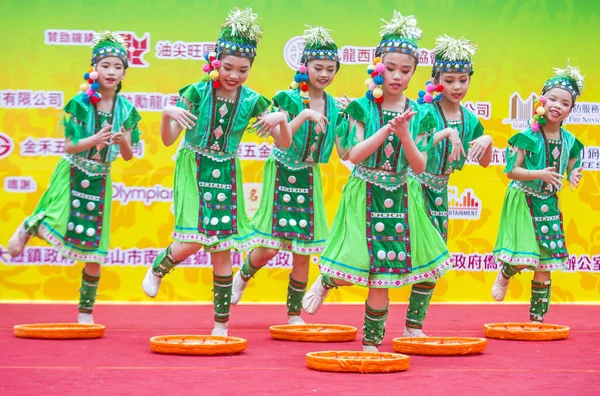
[
  {"x": 536, "y": 117},
  {"x": 542, "y": 121},
  {"x": 205, "y": 78}
]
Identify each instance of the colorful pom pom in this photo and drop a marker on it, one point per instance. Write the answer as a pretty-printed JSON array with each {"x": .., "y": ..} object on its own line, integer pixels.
[
  {"x": 95, "y": 86},
  {"x": 430, "y": 88},
  {"x": 439, "y": 88},
  {"x": 542, "y": 121},
  {"x": 86, "y": 76},
  {"x": 374, "y": 74},
  {"x": 216, "y": 84},
  {"x": 294, "y": 85},
  {"x": 378, "y": 80},
  {"x": 428, "y": 98},
  {"x": 216, "y": 63},
  {"x": 205, "y": 78},
  {"x": 94, "y": 75},
  {"x": 542, "y": 99},
  {"x": 368, "y": 82},
  {"x": 206, "y": 68},
  {"x": 541, "y": 111},
  {"x": 213, "y": 75},
  {"x": 376, "y": 60},
  {"x": 89, "y": 92},
  {"x": 422, "y": 93},
  {"x": 380, "y": 68},
  {"x": 302, "y": 69},
  {"x": 369, "y": 95},
  {"x": 537, "y": 117},
  {"x": 86, "y": 99},
  {"x": 298, "y": 78},
  {"x": 90, "y": 69},
  {"x": 372, "y": 86},
  {"x": 535, "y": 127},
  {"x": 379, "y": 100},
  {"x": 437, "y": 98},
  {"x": 83, "y": 87},
  {"x": 304, "y": 87},
  {"x": 304, "y": 77},
  {"x": 377, "y": 93},
  {"x": 90, "y": 81},
  {"x": 420, "y": 101}
]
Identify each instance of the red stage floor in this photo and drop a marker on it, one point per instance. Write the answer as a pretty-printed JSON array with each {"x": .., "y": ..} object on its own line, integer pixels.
[{"x": 121, "y": 363}]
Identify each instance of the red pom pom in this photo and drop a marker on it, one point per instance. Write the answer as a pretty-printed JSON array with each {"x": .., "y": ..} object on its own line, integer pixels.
[
  {"x": 216, "y": 84},
  {"x": 95, "y": 99},
  {"x": 211, "y": 58},
  {"x": 374, "y": 74},
  {"x": 304, "y": 87},
  {"x": 439, "y": 88},
  {"x": 90, "y": 80},
  {"x": 379, "y": 100}
]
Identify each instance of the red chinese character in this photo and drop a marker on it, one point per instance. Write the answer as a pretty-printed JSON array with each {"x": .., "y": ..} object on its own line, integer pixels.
[
  {"x": 141, "y": 101},
  {"x": 65, "y": 37},
  {"x": 173, "y": 99},
  {"x": 55, "y": 99},
  {"x": 483, "y": 110},
  {"x": 12, "y": 184},
  {"x": 51, "y": 36},
  {"x": 180, "y": 50},
  {"x": 156, "y": 102},
  {"x": 24, "y": 98},
  {"x": 264, "y": 150},
  {"x": 250, "y": 151},
  {"x": 59, "y": 146},
  {"x": 76, "y": 37},
  {"x": 208, "y": 48},
  {"x": 50, "y": 256},
  {"x": 195, "y": 51},
  {"x": 163, "y": 49},
  {"x": 40, "y": 100},
  {"x": 34, "y": 255},
  {"x": 9, "y": 99},
  {"x": 25, "y": 185},
  {"x": 149, "y": 256},
  {"x": 423, "y": 57},
  {"x": 364, "y": 55},
  {"x": 88, "y": 37}
]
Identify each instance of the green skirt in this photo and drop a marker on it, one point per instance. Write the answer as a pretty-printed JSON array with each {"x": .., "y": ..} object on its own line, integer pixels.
[
  {"x": 51, "y": 216},
  {"x": 262, "y": 222},
  {"x": 231, "y": 220},
  {"x": 347, "y": 255},
  {"x": 517, "y": 243}
]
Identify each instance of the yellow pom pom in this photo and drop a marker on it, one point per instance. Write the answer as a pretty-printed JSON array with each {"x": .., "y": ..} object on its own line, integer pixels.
[
  {"x": 368, "y": 82},
  {"x": 541, "y": 111},
  {"x": 90, "y": 69},
  {"x": 377, "y": 92},
  {"x": 213, "y": 75},
  {"x": 294, "y": 85},
  {"x": 83, "y": 87},
  {"x": 376, "y": 60}
]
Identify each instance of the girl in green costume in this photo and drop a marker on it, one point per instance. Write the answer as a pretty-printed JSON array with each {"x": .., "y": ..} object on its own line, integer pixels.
[
  {"x": 73, "y": 215},
  {"x": 209, "y": 197},
  {"x": 531, "y": 233},
  {"x": 382, "y": 236},
  {"x": 291, "y": 216},
  {"x": 458, "y": 128}
]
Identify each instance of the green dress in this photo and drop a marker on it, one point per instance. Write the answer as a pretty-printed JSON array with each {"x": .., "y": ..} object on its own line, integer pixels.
[
  {"x": 531, "y": 231},
  {"x": 434, "y": 181},
  {"x": 208, "y": 191},
  {"x": 73, "y": 215},
  {"x": 291, "y": 215},
  {"x": 382, "y": 236}
]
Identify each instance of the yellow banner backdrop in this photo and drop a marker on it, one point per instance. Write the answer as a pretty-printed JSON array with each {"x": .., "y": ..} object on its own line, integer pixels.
[{"x": 49, "y": 47}]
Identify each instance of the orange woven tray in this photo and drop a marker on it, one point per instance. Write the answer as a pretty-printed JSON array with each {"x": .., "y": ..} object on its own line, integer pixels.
[
  {"x": 197, "y": 345},
  {"x": 357, "y": 362},
  {"x": 314, "y": 332},
  {"x": 439, "y": 346},
  {"x": 526, "y": 331},
  {"x": 59, "y": 331}
]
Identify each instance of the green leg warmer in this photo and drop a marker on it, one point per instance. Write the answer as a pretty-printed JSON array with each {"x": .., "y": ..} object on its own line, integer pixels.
[
  {"x": 222, "y": 302},
  {"x": 418, "y": 304},
  {"x": 374, "y": 328},
  {"x": 87, "y": 292},
  {"x": 295, "y": 294},
  {"x": 540, "y": 300}
]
